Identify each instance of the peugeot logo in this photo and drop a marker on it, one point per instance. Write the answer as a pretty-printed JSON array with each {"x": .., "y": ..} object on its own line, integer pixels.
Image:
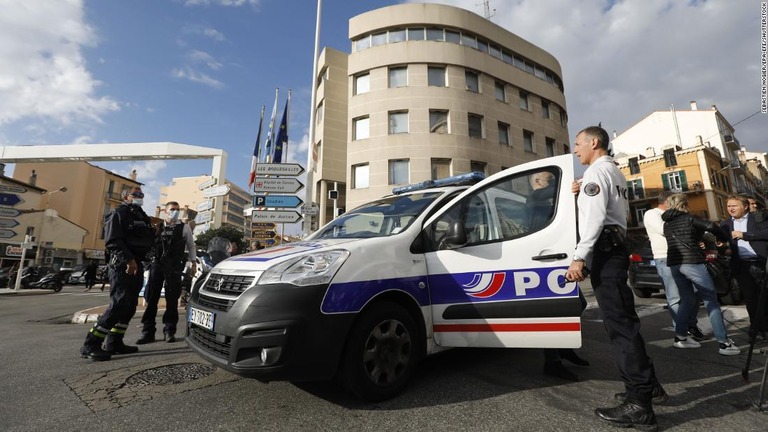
[{"x": 220, "y": 285}]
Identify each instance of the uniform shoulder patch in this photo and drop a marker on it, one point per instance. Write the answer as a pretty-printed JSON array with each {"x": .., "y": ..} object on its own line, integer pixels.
[{"x": 591, "y": 189}]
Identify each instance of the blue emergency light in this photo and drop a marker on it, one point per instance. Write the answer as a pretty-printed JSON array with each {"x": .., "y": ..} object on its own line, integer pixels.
[{"x": 457, "y": 180}]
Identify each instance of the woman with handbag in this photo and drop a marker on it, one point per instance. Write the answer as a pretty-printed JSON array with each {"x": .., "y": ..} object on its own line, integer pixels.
[{"x": 687, "y": 262}]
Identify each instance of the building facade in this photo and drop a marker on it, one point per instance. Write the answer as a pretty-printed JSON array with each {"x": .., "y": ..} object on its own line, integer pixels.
[{"x": 431, "y": 91}]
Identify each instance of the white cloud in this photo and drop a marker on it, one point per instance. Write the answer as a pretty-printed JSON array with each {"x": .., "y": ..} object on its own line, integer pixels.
[
  {"x": 148, "y": 173},
  {"x": 622, "y": 60},
  {"x": 232, "y": 3},
  {"x": 43, "y": 73},
  {"x": 187, "y": 73},
  {"x": 202, "y": 57},
  {"x": 213, "y": 34}
]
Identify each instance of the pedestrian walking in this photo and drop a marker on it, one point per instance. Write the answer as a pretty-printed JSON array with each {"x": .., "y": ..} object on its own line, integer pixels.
[
  {"x": 129, "y": 236},
  {"x": 90, "y": 275},
  {"x": 167, "y": 269},
  {"x": 602, "y": 215},
  {"x": 654, "y": 227},
  {"x": 687, "y": 262}
]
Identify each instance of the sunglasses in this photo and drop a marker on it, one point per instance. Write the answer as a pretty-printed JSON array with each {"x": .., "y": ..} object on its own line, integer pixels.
[{"x": 137, "y": 194}]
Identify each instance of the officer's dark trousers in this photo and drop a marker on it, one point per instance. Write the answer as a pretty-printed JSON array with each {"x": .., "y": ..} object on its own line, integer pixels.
[
  {"x": 617, "y": 305},
  {"x": 123, "y": 298},
  {"x": 749, "y": 275},
  {"x": 159, "y": 274}
]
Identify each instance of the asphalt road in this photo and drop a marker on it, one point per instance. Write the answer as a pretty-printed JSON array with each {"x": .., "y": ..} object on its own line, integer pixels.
[{"x": 45, "y": 385}]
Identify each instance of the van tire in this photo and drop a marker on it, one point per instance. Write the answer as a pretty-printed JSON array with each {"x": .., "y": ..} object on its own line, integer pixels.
[{"x": 381, "y": 354}]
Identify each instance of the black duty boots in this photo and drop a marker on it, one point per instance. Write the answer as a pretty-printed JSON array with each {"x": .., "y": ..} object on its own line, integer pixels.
[
  {"x": 92, "y": 349},
  {"x": 114, "y": 345}
]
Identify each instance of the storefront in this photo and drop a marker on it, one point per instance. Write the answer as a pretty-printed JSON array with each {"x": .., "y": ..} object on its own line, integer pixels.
[{"x": 10, "y": 255}]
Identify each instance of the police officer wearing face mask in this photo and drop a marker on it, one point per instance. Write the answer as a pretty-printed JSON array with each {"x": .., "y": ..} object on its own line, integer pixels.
[
  {"x": 167, "y": 269},
  {"x": 129, "y": 236}
]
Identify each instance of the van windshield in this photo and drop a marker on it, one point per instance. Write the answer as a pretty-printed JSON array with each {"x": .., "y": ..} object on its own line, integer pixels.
[{"x": 381, "y": 218}]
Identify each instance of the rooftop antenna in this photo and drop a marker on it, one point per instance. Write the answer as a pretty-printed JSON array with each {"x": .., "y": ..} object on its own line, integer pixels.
[{"x": 487, "y": 9}]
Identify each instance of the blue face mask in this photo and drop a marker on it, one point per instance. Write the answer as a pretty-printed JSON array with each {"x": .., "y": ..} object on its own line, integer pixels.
[
  {"x": 173, "y": 215},
  {"x": 138, "y": 202}
]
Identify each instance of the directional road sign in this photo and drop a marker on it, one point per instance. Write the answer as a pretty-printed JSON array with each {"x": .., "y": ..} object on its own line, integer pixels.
[
  {"x": 9, "y": 212},
  {"x": 216, "y": 191},
  {"x": 206, "y": 184},
  {"x": 203, "y": 217},
  {"x": 275, "y": 184},
  {"x": 6, "y": 233},
  {"x": 9, "y": 199},
  {"x": 204, "y": 205},
  {"x": 310, "y": 209},
  {"x": 261, "y": 235},
  {"x": 287, "y": 169},
  {"x": 263, "y": 225},
  {"x": 280, "y": 216},
  {"x": 8, "y": 223},
  {"x": 289, "y": 201},
  {"x": 12, "y": 188}
]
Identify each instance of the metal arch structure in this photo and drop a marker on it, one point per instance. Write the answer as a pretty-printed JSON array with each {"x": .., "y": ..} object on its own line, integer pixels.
[{"x": 121, "y": 152}]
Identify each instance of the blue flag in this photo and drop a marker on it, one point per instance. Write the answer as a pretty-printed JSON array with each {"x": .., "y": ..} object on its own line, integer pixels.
[{"x": 281, "y": 142}]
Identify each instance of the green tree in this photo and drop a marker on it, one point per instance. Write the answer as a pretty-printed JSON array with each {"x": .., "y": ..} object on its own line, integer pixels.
[{"x": 235, "y": 235}]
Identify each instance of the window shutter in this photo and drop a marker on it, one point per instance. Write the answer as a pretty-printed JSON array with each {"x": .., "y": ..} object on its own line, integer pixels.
[
  {"x": 665, "y": 181},
  {"x": 683, "y": 180}
]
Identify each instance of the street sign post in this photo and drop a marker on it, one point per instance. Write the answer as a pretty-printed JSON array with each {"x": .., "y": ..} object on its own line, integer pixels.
[
  {"x": 216, "y": 191},
  {"x": 203, "y": 217},
  {"x": 275, "y": 184},
  {"x": 204, "y": 205},
  {"x": 289, "y": 201},
  {"x": 280, "y": 216},
  {"x": 206, "y": 184},
  {"x": 287, "y": 169},
  {"x": 310, "y": 209},
  {"x": 9, "y": 199},
  {"x": 9, "y": 212}
]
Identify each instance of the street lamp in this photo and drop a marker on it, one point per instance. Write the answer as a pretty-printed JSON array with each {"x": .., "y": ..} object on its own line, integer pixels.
[{"x": 39, "y": 255}]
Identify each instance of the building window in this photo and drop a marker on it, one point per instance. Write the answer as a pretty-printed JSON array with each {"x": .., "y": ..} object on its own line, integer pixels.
[
  {"x": 524, "y": 101},
  {"x": 441, "y": 168},
  {"x": 319, "y": 113},
  {"x": 435, "y": 34},
  {"x": 544, "y": 109},
  {"x": 501, "y": 91},
  {"x": 363, "y": 43},
  {"x": 634, "y": 166},
  {"x": 438, "y": 121},
  {"x": 398, "y": 76},
  {"x": 396, "y": 36},
  {"x": 674, "y": 181},
  {"x": 669, "y": 158},
  {"x": 495, "y": 51},
  {"x": 436, "y": 76},
  {"x": 362, "y": 84},
  {"x": 563, "y": 118},
  {"x": 452, "y": 37},
  {"x": 475, "y": 125},
  {"x": 550, "y": 143},
  {"x": 635, "y": 190},
  {"x": 468, "y": 40},
  {"x": 379, "y": 39},
  {"x": 415, "y": 34},
  {"x": 361, "y": 128},
  {"x": 398, "y": 122},
  {"x": 503, "y": 133},
  {"x": 398, "y": 171},
  {"x": 472, "y": 81},
  {"x": 476, "y": 166},
  {"x": 528, "y": 141},
  {"x": 360, "y": 176},
  {"x": 566, "y": 149}
]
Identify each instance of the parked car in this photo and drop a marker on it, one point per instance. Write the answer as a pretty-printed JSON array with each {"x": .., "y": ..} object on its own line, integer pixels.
[
  {"x": 77, "y": 275},
  {"x": 644, "y": 280}
]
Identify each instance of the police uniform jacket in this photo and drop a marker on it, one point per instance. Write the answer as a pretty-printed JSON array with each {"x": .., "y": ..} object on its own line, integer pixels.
[
  {"x": 173, "y": 238},
  {"x": 128, "y": 232},
  {"x": 602, "y": 201},
  {"x": 683, "y": 233}
]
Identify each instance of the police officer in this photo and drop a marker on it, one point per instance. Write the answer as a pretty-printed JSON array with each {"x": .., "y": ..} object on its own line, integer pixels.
[
  {"x": 167, "y": 267},
  {"x": 129, "y": 236},
  {"x": 603, "y": 210}
]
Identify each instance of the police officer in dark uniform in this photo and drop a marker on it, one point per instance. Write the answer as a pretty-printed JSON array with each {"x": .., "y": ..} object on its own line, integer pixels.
[
  {"x": 129, "y": 237},
  {"x": 603, "y": 210},
  {"x": 167, "y": 268}
]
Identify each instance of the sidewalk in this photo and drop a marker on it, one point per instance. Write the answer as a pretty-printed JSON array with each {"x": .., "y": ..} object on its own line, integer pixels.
[
  {"x": 30, "y": 291},
  {"x": 92, "y": 314}
]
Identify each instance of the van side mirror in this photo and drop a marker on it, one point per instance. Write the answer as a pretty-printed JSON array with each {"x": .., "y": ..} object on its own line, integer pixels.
[{"x": 455, "y": 236}]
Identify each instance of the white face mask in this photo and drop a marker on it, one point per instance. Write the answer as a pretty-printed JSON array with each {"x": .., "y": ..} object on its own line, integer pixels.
[
  {"x": 173, "y": 215},
  {"x": 138, "y": 202}
]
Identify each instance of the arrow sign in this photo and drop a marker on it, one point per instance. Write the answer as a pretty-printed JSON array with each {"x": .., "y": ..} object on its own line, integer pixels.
[
  {"x": 287, "y": 169},
  {"x": 9, "y": 212},
  {"x": 263, "y": 225},
  {"x": 9, "y": 199},
  {"x": 207, "y": 183},
  {"x": 204, "y": 205},
  {"x": 280, "y": 216},
  {"x": 263, "y": 235},
  {"x": 273, "y": 184},
  {"x": 216, "y": 191},
  {"x": 203, "y": 217},
  {"x": 8, "y": 223},
  {"x": 289, "y": 201},
  {"x": 6, "y": 233},
  {"x": 12, "y": 188}
]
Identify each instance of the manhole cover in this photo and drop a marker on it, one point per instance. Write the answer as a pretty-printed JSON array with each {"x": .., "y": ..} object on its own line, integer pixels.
[{"x": 171, "y": 374}]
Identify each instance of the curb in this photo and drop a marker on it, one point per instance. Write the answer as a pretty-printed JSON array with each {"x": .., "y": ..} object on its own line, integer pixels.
[{"x": 25, "y": 292}]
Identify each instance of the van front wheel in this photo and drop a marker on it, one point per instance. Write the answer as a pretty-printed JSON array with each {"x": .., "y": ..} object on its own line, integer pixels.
[{"x": 381, "y": 354}]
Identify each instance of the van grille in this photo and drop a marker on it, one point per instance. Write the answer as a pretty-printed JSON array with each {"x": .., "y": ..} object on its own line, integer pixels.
[
  {"x": 207, "y": 340},
  {"x": 232, "y": 285}
]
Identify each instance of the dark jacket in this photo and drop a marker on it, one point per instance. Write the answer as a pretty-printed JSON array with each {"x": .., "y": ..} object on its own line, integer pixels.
[
  {"x": 540, "y": 207},
  {"x": 683, "y": 233},
  {"x": 756, "y": 234},
  {"x": 128, "y": 233}
]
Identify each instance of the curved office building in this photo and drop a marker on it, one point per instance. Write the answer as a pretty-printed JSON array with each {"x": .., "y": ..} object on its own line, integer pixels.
[{"x": 436, "y": 90}]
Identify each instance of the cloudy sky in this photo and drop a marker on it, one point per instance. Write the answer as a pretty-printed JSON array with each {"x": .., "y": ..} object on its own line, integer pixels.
[{"x": 198, "y": 71}]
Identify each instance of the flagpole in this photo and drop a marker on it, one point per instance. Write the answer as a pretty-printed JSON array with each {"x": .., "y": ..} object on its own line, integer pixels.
[{"x": 309, "y": 187}]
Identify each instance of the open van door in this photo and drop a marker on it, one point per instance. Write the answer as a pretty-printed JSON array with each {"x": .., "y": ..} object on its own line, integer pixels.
[{"x": 496, "y": 257}]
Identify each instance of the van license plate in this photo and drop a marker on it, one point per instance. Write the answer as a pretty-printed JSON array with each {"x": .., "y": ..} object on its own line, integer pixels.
[{"x": 202, "y": 318}]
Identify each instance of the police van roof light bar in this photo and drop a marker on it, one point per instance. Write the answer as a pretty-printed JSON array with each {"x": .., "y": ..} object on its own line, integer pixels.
[{"x": 457, "y": 180}]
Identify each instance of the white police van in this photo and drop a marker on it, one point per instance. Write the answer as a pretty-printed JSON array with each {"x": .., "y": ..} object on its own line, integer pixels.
[{"x": 374, "y": 291}]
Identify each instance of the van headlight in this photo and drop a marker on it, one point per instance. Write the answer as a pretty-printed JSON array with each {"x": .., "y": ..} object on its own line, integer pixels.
[{"x": 313, "y": 269}]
